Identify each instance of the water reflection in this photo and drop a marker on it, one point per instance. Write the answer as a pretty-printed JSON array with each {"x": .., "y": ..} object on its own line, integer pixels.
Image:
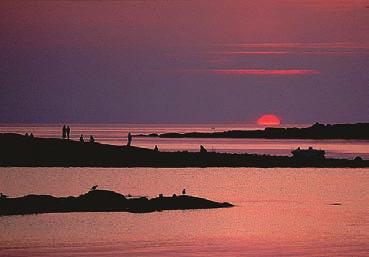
[{"x": 278, "y": 212}]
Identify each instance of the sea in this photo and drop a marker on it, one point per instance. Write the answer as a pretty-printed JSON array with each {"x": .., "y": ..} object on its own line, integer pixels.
[
  {"x": 278, "y": 211},
  {"x": 116, "y": 134}
]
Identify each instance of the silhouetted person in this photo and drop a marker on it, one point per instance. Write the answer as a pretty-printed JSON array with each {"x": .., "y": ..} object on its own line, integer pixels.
[
  {"x": 31, "y": 135},
  {"x": 26, "y": 135},
  {"x": 81, "y": 139},
  {"x": 156, "y": 149},
  {"x": 129, "y": 139},
  {"x": 68, "y": 132},
  {"x": 202, "y": 149},
  {"x": 92, "y": 139},
  {"x": 64, "y": 133},
  {"x": 184, "y": 191}
]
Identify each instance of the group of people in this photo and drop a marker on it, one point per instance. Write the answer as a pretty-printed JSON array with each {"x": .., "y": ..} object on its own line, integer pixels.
[
  {"x": 66, "y": 132},
  {"x": 29, "y": 135},
  {"x": 92, "y": 139},
  {"x": 66, "y": 135}
]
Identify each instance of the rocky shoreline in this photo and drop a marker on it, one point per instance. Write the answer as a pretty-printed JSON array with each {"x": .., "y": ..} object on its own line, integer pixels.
[
  {"x": 24, "y": 151},
  {"x": 101, "y": 201}
]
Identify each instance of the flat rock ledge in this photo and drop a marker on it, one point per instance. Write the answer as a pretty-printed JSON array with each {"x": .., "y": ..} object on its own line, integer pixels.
[{"x": 102, "y": 201}]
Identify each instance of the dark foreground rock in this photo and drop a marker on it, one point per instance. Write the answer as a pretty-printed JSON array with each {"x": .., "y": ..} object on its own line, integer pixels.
[
  {"x": 101, "y": 201},
  {"x": 22, "y": 151}
]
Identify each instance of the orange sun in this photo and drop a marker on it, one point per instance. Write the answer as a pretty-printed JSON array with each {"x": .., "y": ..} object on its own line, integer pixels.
[{"x": 269, "y": 120}]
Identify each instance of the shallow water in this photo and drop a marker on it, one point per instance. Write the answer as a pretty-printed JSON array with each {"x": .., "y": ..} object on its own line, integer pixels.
[{"x": 278, "y": 212}]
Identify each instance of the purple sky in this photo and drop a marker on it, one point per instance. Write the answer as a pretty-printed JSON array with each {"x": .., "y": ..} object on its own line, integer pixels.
[{"x": 184, "y": 61}]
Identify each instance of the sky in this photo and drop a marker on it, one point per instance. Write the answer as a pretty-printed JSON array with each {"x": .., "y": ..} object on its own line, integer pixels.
[{"x": 184, "y": 61}]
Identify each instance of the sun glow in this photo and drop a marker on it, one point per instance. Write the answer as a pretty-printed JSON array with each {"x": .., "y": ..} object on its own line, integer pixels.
[{"x": 269, "y": 120}]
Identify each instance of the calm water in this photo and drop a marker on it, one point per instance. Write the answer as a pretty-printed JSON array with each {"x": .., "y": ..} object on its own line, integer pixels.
[
  {"x": 286, "y": 212},
  {"x": 117, "y": 134},
  {"x": 279, "y": 212}
]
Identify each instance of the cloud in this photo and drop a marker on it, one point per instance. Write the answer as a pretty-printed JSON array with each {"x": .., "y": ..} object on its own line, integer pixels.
[
  {"x": 333, "y": 45},
  {"x": 251, "y": 52},
  {"x": 230, "y": 51},
  {"x": 289, "y": 52},
  {"x": 257, "y": 72}
]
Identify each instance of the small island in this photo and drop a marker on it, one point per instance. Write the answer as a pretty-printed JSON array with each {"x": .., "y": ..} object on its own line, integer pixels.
[
  {"x": 358, "y": 131},
  {"x": 102, "y": 201},
  {"x": 25, "y": 151}
]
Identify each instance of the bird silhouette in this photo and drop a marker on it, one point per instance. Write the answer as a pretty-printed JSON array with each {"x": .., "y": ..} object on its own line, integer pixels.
[{"x": 93, "y": 188}]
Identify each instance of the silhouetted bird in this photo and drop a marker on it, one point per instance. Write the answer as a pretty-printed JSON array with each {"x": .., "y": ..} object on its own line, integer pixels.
[
  {"x": 129, "y": 139},
  {"x": 183, "y": 191},
  {"x": 93, "y": 188}
]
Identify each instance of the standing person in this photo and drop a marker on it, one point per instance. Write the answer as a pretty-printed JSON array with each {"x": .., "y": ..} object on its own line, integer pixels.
[
  {"x": 64, "y": 134},
  {"x": 68, "y": 132},
  {"x": 129, "y": 139},
  {"x": 81, "y": 139}
]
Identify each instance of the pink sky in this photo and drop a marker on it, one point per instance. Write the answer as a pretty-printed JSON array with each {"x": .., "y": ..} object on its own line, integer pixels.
[{"x": 97, "y": 53}]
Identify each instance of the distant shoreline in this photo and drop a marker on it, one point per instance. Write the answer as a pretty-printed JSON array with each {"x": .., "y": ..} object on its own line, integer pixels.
[
  {"x": 24, "y": 151},
  {"x": 358, "y": 131}
]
